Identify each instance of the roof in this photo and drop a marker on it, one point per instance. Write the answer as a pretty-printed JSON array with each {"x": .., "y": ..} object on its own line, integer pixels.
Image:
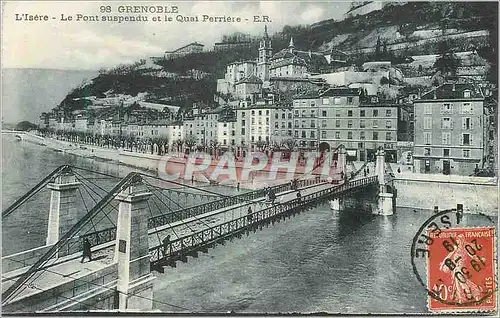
[
  {"x": 250, "y": 79},
  {"x": 185, "y": 46},
  {"x": 341, "y": 91},
  {"x": 453, "y": 91}
]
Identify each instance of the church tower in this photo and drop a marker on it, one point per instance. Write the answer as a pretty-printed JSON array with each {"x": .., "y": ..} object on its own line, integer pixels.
[{"x": 265, "y": 54}]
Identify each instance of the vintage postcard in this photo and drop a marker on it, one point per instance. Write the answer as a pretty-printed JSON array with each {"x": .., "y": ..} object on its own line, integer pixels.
[{"x": 249, "y": 157}]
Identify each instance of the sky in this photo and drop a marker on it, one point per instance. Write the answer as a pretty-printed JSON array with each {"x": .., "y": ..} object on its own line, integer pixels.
[{"x": 79, "y": 45}]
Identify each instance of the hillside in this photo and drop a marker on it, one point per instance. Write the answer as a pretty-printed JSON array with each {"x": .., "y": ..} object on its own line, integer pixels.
[{"x": 464, "y": 26}]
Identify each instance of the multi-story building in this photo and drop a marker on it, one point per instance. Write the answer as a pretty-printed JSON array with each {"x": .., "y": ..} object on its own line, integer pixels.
[
  {"x": 338, "y": 117},
  {"x": 449, "y": 130},
  {"x": 184, "y": 50}
]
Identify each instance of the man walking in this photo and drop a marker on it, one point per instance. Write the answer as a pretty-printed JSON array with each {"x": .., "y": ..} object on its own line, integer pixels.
[{"x": 86, "y": 250}]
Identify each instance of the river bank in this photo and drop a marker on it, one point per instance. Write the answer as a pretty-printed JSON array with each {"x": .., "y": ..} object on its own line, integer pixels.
[{"x": 415, "y": 190}]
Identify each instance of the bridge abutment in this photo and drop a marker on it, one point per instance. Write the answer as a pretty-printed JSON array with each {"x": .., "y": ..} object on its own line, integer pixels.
[
  {"x": 134, "y": 284},
  {"x": 63, "y": 213},
  {"x": 385, "y": 199}
]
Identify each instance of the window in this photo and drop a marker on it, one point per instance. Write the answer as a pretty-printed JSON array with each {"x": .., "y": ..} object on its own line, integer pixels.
[
  {"x": 312, "y": 134},
  {"x": 313, "y": 103},
  {"x": 446, "y": 123},
  {"x": 466, "y": 139},
  {"x": 375, "y": 135},
  {"x": 349, "y": 135},
  {"x": 313, "y": 124},
  {"x": 375, "y": 123},
  {"x": 360, "y": 145},
  {"x": 313, "y": 113},
  {"x": 303, "y": 134},
  {"x": 466, "y": 123},
  {"x": 388, "y": 124},
  {"x": 362, "y": 123},
  {"x": 323, "y": 113},
  {"x": 349, "y": 124},
  {"x": 242, "y": 131},
  {"x": 276, "y": 125},
  {"x": 447, "y": 108},
  {"x": 289, "y": 125},
  {"x": 282, "y": 116},
  {"x": 253, "y": 121},
  {"x": 446, "y": 152},
  {"x": 337, "y": 135},
  {"x": 289, "y": 115},
  {"x": 337, "y": 100},
  {"x": 296, "y": 124},
  {"x": 388, "y": 136},
  {"x": 467, "y": 94},
  {"x": 304, "y": 113},
  {"x": 242, "y": 114},
  {"x": 253, "y": 112},
  {"x": 323, "y": 123},
  {"x": 243, "y": 122},
  {"x": 362, "y": 135},
  {"x": 325, "y": 101},
  {"x": 337, "y": 113},
  {"x": 388, "y": 113},
  {"x": 446, "y": 138},
  {"x": 427, "y": 122},
  {"x": 349, "y": 113},
  {"x": 323, "y": 134},
  {"x": 466, "y": 153},
  {"x": 375, "y": 113},
  {"x": 337, "y": 123},
  {"x": 349, "y": 100},
  {"x": 276, "y": 116},
  {"x": 267, "y": 112},
  {"x": 303, "y": 124},
  {"x": 296, "y": 113},
  {"x": 267, "y": 120},
  {"x": 260, "y": 112},
  {"x": 467, "y": 108},
  {"x": 428, "y": 109},
  {"x": 427, "y": 151},
  {"x": 296, "y": 134},
  {"x": 427, "y": 138},
  {"x": 362, "y": 113}
]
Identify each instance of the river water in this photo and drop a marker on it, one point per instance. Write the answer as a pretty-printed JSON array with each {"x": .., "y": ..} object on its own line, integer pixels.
[{"x": 317, "y": 261}]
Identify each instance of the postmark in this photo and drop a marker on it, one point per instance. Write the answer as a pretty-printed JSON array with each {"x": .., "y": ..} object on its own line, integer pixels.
[{"x": 455, "y": 261}]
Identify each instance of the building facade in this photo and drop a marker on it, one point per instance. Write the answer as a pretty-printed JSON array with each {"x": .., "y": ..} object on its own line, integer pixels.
[
  {"x": 184, "y": 50},
  {"x": 449, "y": 134},
  {"x": 338, "y": 117}
]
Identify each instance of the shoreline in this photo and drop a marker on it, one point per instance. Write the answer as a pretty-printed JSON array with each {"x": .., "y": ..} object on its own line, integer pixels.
[{"x": 415, "y": 190}]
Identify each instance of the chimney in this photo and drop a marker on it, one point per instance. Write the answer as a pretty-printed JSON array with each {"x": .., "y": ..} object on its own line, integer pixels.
[{"x": 453, "y": 88}]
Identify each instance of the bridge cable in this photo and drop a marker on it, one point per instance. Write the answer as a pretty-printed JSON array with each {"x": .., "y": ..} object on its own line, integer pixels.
[
  {"x": 195, "y": 217},
  {"x": 8, "y": 294},
  {"x": 109, "y": 288},
  {"x": 39, "y": 186}
]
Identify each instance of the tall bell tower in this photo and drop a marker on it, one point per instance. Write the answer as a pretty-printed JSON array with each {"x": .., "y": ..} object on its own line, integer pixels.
[{"x": 265, "y": 53}]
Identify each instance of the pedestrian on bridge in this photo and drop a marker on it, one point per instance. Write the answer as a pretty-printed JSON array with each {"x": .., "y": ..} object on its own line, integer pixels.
[
  {"x": 166, "y": 243},
  {"x": 86, "y": 250},
  {"x": 364, "y": 170},
  {"x": 299, "y": 196},
  {"x": 249, "y": 214}
]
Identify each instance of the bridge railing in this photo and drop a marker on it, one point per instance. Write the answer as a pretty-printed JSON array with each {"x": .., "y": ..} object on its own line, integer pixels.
[
  {"x": 196, "y": 210},
  {"x": 181, "y": 246}
]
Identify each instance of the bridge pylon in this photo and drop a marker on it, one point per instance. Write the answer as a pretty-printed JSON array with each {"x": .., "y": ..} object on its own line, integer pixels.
[
  {"x": 384, "y": 204},
  {"x": 134, "y": 284},
  {"x": 342, "y": 160},
  {"x": 63, "y": 212}
]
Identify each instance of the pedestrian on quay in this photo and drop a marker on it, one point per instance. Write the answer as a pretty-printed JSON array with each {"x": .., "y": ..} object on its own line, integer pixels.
[
  {"x": 86, "y": 250},
  {"x": 238, "y": 187}
]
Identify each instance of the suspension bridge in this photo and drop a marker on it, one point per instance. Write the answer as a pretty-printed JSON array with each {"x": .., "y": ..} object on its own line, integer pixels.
[{"x": 142, "y": 224}]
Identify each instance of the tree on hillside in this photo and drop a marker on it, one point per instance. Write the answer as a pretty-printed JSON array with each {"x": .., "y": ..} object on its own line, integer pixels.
[{"x": 447, "y": 62}]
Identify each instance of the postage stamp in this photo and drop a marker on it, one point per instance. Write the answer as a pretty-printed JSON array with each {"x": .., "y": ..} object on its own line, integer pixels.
[
  {"x": 454, "y": 258},
  {"x": 461, "y": 270}
]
